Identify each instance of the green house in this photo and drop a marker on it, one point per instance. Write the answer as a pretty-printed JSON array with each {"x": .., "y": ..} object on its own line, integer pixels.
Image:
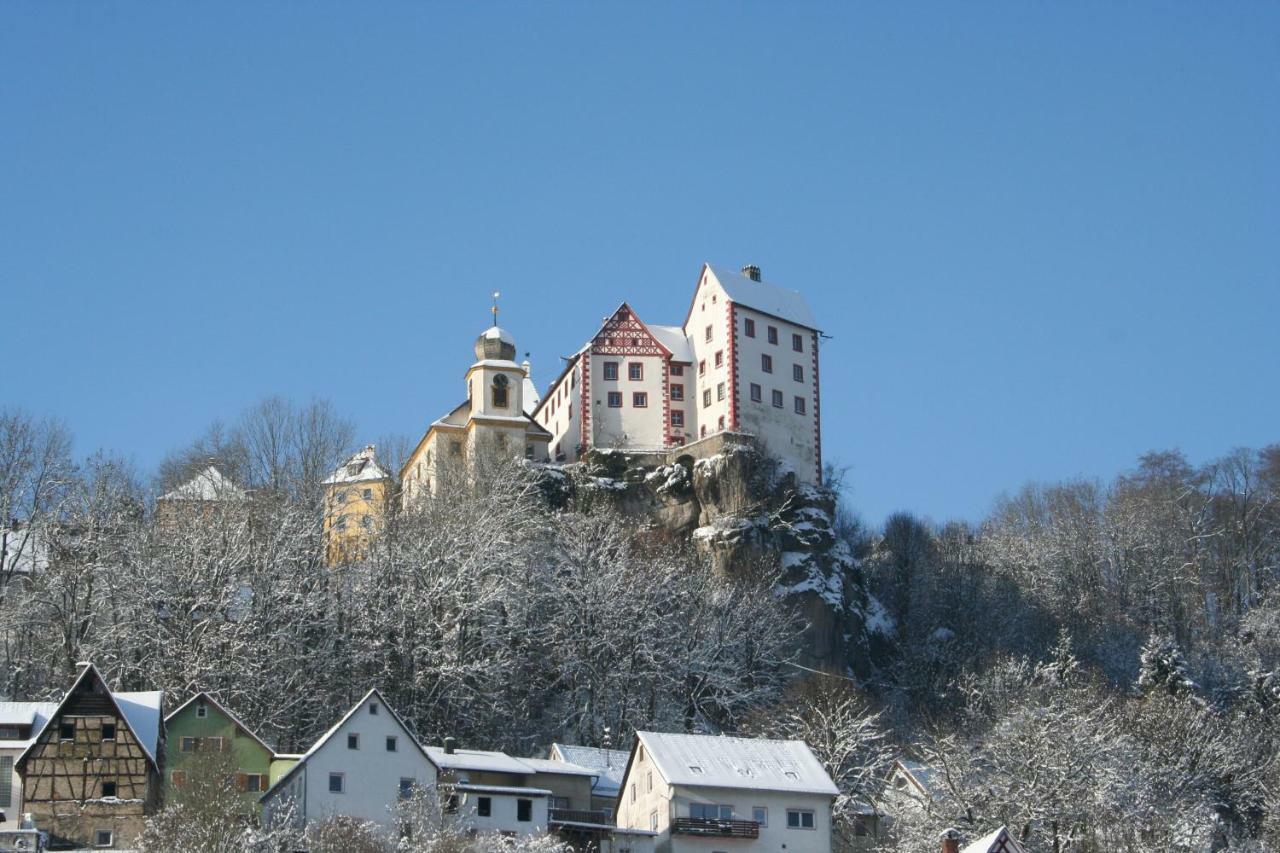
[{"x": 206, "y": 738}]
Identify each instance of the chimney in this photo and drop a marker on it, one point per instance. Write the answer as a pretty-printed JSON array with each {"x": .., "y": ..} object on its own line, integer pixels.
[
  {"x": 450, "y": 745},
  {"x": 752, "y": 272},
  {"x": 950, "y": 840}
]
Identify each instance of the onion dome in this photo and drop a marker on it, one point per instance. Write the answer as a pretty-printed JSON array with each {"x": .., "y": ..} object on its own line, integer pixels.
[{"x": 496, "y": 344}]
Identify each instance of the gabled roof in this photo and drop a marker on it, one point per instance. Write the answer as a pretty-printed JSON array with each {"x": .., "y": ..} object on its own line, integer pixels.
[
  {"x": 360, "y": 468},
  {"x": 674, "y": 339},
  {"x": 761, "y": 296},
  {"x": 480, "y": 760},
  {"x": 25, "y": 714},
  {"x": 708, "y": 761},
  {"x": 141, "y": 712},
  {"x": 222, "y": 709},
  {"x": 327, "y": 736},
  {"x": 208, "y": 485},
  {"x": 567, "y": 768},
  {"x": 607, "y": 764},
  {"x": 999, "y": 841}
]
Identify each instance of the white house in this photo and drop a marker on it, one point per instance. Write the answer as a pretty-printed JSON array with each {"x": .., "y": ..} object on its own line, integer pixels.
[
  {"x": 705, "y": 794},
  {"x": 999, "y": 841},
  {"x": 20, "y": 722},
  {"x": 744, "y": 360},
  {"x": 359, "y": 768}
]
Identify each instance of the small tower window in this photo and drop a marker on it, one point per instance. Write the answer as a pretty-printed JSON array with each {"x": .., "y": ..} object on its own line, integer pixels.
[{"x": 500, "y": 391}]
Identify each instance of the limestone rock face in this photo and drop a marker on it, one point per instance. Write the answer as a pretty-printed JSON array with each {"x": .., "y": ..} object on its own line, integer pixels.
[{"x": 739, "y": 508}]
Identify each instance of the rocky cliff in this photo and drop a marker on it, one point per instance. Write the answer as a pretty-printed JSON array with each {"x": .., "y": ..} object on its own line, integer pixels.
[{"x": 746, "y": 513}]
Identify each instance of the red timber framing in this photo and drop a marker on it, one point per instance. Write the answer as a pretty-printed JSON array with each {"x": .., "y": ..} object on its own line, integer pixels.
[
  {"x": 584, "y": 364},
  {"x": 667, "y": 438},
  {"x": 817, "y": 405},
  {"x": 734, "y": 403},
  {"x": 626, "y": 334}
]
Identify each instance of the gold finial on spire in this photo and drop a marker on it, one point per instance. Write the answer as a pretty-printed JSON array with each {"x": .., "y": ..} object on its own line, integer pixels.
[{"x": 496, "y": 294}]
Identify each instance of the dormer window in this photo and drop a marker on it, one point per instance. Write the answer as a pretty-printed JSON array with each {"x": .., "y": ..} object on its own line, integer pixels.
[
  {"x": 202, "y": 710},
  {"x": 500, "y": 391}
]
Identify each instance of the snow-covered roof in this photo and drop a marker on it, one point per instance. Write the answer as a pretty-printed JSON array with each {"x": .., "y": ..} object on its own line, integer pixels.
[
  {"x": 673, "y": 338},
  {"x": 143, "y": 711},
  {"x": 499, "y": 333},
  {"x": 363, "y": 467},
  {"x": 327, "y": 736},
  {"x": 478, "y": 759},
  {"x": 765, "y": 297},
  {"x": 502, "y": 789},
  {"x": 236, "y": 721},
  {"x": 608, "y": 764},
  {"x": 208, "y": 485},
  {"x": 922, "y": 775},
  {"x": 26, "y": 550},
  {"x": 999, "y": 841},
  {"x": 529, "y": 396},
  {"x": 709, "y": 761},
  {"x": 33, "y": 714},
  {"x": 547, "y": 765}
]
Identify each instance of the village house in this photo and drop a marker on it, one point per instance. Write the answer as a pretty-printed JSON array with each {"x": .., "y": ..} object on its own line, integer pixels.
[
  {"x": 355, "y": 506},
  {"x": 705, "y": 794},
  {"x": 202, "y": 496},
  {"x": 91, "y": 773},
  {"x": 360, "y": 768},
  {"x": 493, "y": 419},
  {"x": 607, "y": 764},
  {"x": 19, "y": 724},
  {"x": 205, "y": 737},
  {"x": 999, "y": 841},
  {"x": 744, "y": 361}
]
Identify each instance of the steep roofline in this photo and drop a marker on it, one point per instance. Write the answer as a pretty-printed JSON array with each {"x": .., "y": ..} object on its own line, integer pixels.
[
  {"x": 57, "y": 712},
  {"x": 324, "y": 738},
  {"x": 234, "y": 719},
  {"x": 570, "y": 361}
]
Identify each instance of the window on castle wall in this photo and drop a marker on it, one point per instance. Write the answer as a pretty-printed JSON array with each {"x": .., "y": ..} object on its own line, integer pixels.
[
  {"x": 719, "y": 358},
  {"x": 500, "y": 391},
  {"x": 755, "y": 393},
  {"x": 749, "y": 327},
  {"x": 635, "y": 371},
  {"x": 766, "y": 363},
  {"x": 773, "y": 334},
  {"x": 777, "y": 399},
  {"x": 677, "y": 392},
  {"x": 720, "y": 423},
  {"x": 615, "y": 399},
  {"x": 710, "y": 330},
  {"x": 611, "y": 371},
  {"x": 706, "y": 397},
  {"x": 797, "y": 373},
  {"x": 677, "y": 370},
  {"x": 640, "y": 400},
  {"x": 703, "y": 431},
  {"x": 702, "y": 368},
  {"x": 799, "y": 405},
  {"x": 797, "y": 343},
  {"x": 720, "y": 391},
  {"x": 677, "y": 418}
]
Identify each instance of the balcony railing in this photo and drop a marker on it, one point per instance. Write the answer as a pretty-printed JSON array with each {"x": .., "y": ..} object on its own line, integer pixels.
[
  {"x": 709, "y": 826},
  {"x": 579, "y": 816}
]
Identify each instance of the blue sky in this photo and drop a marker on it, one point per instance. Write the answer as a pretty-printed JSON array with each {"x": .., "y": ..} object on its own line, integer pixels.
[{"x": 1043, "y": 236}]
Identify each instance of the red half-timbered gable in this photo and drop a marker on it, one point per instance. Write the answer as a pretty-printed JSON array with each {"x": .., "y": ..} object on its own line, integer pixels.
[{"x": 625, "y": 334}]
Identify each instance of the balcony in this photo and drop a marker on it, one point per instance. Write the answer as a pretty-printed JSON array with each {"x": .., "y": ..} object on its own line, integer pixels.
[
  {"x": 715, "y": 827},
  {"x": 599, "y": 818}
]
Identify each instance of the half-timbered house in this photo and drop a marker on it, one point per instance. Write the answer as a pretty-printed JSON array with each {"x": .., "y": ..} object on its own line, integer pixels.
[{"x": 91, "y": 776}]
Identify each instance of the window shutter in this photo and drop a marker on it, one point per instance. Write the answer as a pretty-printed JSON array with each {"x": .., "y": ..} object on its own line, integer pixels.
[
  {"x": 242, "y": 782},
  {"x": 179, "y": 778}
]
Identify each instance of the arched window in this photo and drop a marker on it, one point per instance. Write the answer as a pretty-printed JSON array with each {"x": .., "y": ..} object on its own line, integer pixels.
[{"x": 500, "y": 383}]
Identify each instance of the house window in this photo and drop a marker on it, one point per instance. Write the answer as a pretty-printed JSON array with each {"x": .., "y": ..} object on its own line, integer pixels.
[
  {"x": 373, "y": 708},
  {"x": 500, "y": 389},
  {"x": 702, "y": 367},
  {"x": 797, "y": 373},
  {"x": 367, "y": 494},
  {"x": 635, "y": 371},
  {"x": 455, "y": 449},
  {"x": 103, "y": 838},
  {"x": 677, "y": 418},
  {"x": 337, "y": 783},
  {"x": 710, "y": 811},
  {"x": 366, "y": 521},
  {"x": 392, "y": 745},
  {"x": 799, "y": 819},
  {"x": 611, "y": 371},
  {"x": 640, "y": 400},
  {"x": 766, "y": 362},
  {"x": 719, "y": 358},
  {"x": 797, "y": 343},
  {"x": 633, "y": 792},
  {"x": 67, "y": 731},
  {"x": 484, "y": 806},
  {"x": 353, "y": 741},
  {"x": 108, "y": 789},
  {"x": 178, "y": 777},
  {"x": 653, "y": 820},
  {"x": 749, "y": 326},
  {"x": 524, "y": 810},
  {"x": 799, "y": 405},
  {"x": 187, "y": 744},
  {"x": 342, "y": 522},
  {"x": 706, "y": 397},
  {"x": 677, "y": 370},
  {"x": 255, "y": 782},
  {"x": 677, "y": 392},
  {"x": 755, "y": 393},
  {"x": 708, "y": 333},
  {"x": 341, "y": 498},
  {"x": 648, "y": 782},
  {"x": 202, "y": 710},
  {"x": 720, "y": 391},
  {"x": 773, "y": 334},
  {"x": 760, "y": 815},
  {"x": 615, "y": 399},
  {"x": 720, "y": 423},
  {"x": 559, "y": 802},
  {"x": 703, "y": 431},
  {"x": 777, "y": 399},
  {"x": 108, "y": 731}
]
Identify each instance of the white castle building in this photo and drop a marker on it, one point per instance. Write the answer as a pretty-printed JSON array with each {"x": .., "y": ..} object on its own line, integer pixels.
[{"x": 744, "y": 361}]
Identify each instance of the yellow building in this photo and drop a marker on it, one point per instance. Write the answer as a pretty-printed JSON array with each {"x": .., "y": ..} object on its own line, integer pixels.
[
  {"x": 494, "y": 419},
  {"x": 356, "y": 497}
]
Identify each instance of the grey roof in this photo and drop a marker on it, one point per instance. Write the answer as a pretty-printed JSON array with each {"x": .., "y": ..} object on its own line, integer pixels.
[
  {"x": 33, "y": 714},
  {"x": 673, "y": 338},
  {"x": 142, "y": 711},
  {"x": 478, "y": 759},
  {"x": 708, "y": 761},
  {"x": 765, "y": 297},
  {"x": 608, "y": 764}
]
